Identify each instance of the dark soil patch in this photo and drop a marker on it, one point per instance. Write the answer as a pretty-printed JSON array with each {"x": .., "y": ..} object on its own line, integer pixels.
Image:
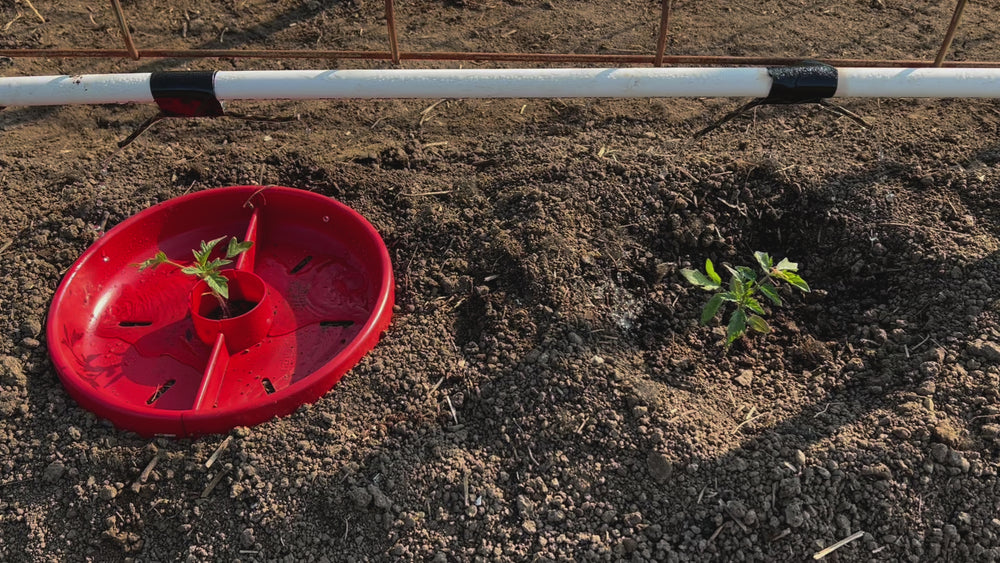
[{"x": 234, "y": 308}]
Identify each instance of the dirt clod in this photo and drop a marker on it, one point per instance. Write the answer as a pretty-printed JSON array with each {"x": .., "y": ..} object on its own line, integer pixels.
[
  {"x": 660, "y": 466},
  {"x": 12, "y": 372}
]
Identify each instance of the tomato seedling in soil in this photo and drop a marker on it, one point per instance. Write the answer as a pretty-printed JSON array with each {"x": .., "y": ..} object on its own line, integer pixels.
[
  {"x": 210, "y": 272},
  {"x": 744, "y": 285}
]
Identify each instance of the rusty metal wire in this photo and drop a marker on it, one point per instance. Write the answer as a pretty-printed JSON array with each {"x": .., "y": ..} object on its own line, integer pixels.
[
  {"x": 661, "y": 39},
  {"x": 657, "y": 58},
  {"x": 390, "y": 24},
  {"x": 116, "y": 7},
  {"x": 950, "y": 34},
  {"x": 695, "y": 60}
]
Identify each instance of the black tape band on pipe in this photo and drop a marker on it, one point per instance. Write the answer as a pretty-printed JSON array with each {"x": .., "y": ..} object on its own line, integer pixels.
[
  {"x": 808, "y": 82},
  {"x": 186, "y": 93}
]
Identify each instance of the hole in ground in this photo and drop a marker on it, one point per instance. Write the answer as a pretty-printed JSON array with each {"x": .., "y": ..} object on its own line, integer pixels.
[
  {"x": 160, "y": 391},
  {"x": 342, "y": 324},
  {"x": 305, "y": 261},
  {"x": 267, "y": 385}
]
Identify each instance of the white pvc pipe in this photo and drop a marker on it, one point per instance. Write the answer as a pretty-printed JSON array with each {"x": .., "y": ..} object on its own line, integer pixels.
[
  {"x": 502, "y": 83},
  {"x": 498, "y": 83},
  {"x": 78, "y": 89}
]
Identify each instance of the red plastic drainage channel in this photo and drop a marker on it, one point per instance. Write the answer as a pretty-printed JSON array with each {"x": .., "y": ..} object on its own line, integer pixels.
[{"x": 125, "y": 344}]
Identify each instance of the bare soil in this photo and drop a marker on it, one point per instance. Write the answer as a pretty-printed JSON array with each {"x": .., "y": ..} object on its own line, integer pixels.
[{"x": 545, "y": 391}]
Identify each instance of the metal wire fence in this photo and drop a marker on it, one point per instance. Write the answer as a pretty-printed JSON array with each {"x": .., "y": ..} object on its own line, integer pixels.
[{"x": 656, "y": 55}]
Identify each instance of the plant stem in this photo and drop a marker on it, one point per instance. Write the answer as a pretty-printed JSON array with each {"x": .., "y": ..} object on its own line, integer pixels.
[{"x": 222, "y": 304}]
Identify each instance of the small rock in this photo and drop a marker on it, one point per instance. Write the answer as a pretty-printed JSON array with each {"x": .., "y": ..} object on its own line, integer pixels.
[
  {"x": 939, "y": 452},
  {"x": 54, "y": 471},
  {"x": 793, "y": 514},
  {"x": 745, "y": 378},
  {"x": 30, "y": 343},
  {"x": 800, "y": 458},
  {"x": 597, "y": 360},
  {"x": 107, "y": 492},
  {"x": 31, "y": 327},
  {"x": 575, "y": 338},
  {"x": 247, "y": 538},
  {"x": 660, "y": 468},
  {"x": 629, "y": 545},
  {"x": 529, "y": 526},
  {"x": 880, "y": 336},
  {"x": 74, "y": 433}
]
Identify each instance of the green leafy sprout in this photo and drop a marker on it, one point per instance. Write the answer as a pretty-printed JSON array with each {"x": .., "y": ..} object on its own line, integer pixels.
[
  {"x": 203, "y": 268},
  {"x": 744, "y": 286}
]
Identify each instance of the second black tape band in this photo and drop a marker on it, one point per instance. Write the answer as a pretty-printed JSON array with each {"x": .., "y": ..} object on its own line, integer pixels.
[
  {"x": 804, "y": 83},
  {"x": 186, "y": 93}
]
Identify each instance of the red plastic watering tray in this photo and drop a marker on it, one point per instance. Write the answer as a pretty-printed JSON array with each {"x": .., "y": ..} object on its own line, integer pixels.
[{"x": 135, "y": 348}]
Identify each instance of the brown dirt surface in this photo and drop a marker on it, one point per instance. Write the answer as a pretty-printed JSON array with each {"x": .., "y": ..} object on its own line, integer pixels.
[{"x": 537, "y": 246}]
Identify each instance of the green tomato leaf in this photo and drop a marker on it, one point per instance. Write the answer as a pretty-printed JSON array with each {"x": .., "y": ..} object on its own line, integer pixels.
[
  {"x": 746, "y": 274},
  {"x": 758, "y": 324},
  {"x": 698, "y": 279},
  {"x": 770, "y": 292},
  {"x": 218, "y": 263},
  {"x": 787, "y": 265},
  {"x": 210, "y": 245},
  {"x": 159, "y": 258},
  {"x": 711, "y": 308},
  {"x": 201, "y": 256},
  {"x": 754, "y": 306},
  {"x": 729, "y": 296},
  {"x": 764, "y": 259},
  {"x": 737, "y": 326},
  {"x": 218, "y": 284},
  {"x": 796, "y": 281},
  {"x": 191, "y": 270},
  {"x": 236, "y": 248},
  {"x": 710, "y": 270},
  {"x": 737, "y": 287}
]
